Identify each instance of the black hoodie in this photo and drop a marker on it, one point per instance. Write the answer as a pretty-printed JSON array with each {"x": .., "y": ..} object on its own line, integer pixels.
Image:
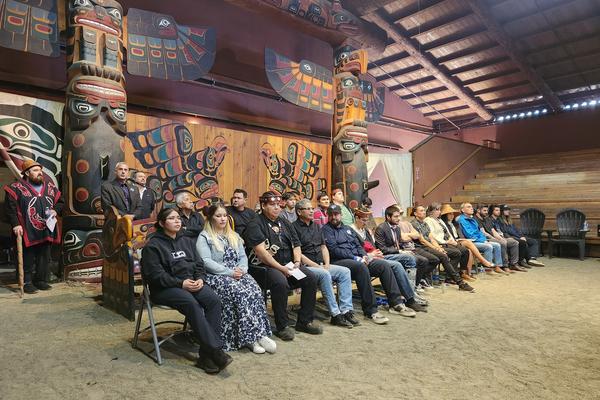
[{"x": 167, "y": 262}]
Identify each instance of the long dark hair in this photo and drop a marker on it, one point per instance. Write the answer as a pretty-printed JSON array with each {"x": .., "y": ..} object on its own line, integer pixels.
[{"x": 163, "y": 215}]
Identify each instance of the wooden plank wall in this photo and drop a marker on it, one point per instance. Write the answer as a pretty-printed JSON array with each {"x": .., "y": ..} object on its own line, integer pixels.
[{"x": 243, "y": 166}]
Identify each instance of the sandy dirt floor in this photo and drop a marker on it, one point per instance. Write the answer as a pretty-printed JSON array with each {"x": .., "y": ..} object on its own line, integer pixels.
[{"x": 533, "y": 335}]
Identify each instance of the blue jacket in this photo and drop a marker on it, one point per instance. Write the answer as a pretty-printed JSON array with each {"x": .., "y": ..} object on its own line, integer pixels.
[
  {"x": 470, "y": 229},
  {"x": 508, "y": 230},
  {"x": 342, "y": 242},
  {"x": 213, "y": 257}
]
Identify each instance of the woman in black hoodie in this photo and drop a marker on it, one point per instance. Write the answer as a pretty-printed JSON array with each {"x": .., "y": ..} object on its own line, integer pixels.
[{"x": 175, "y": 275}]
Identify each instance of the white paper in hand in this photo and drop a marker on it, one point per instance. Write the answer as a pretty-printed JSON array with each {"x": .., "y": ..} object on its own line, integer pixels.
[
  {"x": 296, "y": 273},
  {"x": 51, "y": 223}
]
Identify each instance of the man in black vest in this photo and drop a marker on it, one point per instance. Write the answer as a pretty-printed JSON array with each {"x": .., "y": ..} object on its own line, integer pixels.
[
  {"x": 32, "y": 204},
  {"x": 148, "y": 202},
  {"x": 121, "y": 194}
]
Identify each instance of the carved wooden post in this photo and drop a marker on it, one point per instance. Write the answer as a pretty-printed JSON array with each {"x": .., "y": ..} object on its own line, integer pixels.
[{"x": 95, "y": 117}]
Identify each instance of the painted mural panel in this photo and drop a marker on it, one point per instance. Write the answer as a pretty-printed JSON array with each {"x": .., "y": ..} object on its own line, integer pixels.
[
  {"x": 209, "y": 162},
  {"x": 31, "y": 128}
]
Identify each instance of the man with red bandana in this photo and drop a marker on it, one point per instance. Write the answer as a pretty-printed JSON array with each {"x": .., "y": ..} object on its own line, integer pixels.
[{"x": 31, "y": 205}]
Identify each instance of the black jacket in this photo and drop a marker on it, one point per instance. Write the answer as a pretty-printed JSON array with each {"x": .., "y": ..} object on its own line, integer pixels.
[
  {"x": 193, "y": 225},
  {"x": 148, "y": 203},
  {"x": 112, "y": 195},
  {"x": 167, "y": 262},
  {"x": 384, "y": 239}
]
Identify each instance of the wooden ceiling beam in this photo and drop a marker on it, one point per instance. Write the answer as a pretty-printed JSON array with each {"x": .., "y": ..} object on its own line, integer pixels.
[
  {"x": 388, "y": 60},
  {"x": 406, "y": 85},
  {"x": 538, "y": 10},
  {"x": 556, "y": 46},
  {"x": 501, "y": 87},
  {"x": 488, "y": 77},
  {"x": 452, "y": 39},
  {"x": 478, "y": 65},
  {"x": 439, "y": 23},
  {"x": 394, "y": 32},
  {"x": 447, "y": 110},
  {"x": 466, "y": 52},
  {"x": 424, "y": 93},
  {"x": 415, "y": 8},
  {"x": 434, "y": 102},
  {"x": 399, "y": 72},
  {"x": 570, "y": 74},
  {"x": 510, "y": 98},
  {"x": 362, "y": 7},
  {"x": 553, "y": 28},
  {"x": 589, "y": 53},
  {"x": 498, "y": 34}
]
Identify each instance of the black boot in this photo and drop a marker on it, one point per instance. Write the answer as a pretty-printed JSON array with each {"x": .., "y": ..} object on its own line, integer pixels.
[
  {"x": 205, "y": 362},
  {"x": 220, "y": 358}
]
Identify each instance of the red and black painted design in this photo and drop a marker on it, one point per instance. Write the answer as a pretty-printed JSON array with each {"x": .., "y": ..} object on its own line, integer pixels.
[
  {"x": 158, "y": 47},
  {"x": 30, "y": 26},
  {"x": 297, "y": 173},
  {"x": 166, "y": 152}
]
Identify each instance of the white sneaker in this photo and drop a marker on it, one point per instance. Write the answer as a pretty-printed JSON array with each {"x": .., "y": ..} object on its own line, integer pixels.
[
  {"x": 256, "y": 348},
  {"x": 378, "y": 319},
  {"x": 421, "y": 300},
  {"x": 401, "y": 309},
  {"x": 268, "y": 344}
]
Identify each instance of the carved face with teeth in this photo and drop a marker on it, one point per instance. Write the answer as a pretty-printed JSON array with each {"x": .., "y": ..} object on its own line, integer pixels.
[
  {"x": 103, "y": 15},
  {"x": 89, "y": 96}
]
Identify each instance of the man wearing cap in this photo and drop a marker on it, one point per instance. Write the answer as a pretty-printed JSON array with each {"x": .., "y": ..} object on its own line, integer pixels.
[
  {"x": 345, "y": 248},
  {"x": 528, "y": 247},
  {"x": 32, "y": 204},
  {"x": 316, "y": 257},
  {"x": 289, "y": 206},
  {"x": 338, "y": 198},
  {"x": 121, "y": 194},
  {"x": 274, "y": 249},
  {"x": 510, "y": 250}
]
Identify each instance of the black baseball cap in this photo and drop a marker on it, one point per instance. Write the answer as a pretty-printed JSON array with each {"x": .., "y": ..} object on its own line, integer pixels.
[{"x": 334, "y": 208}]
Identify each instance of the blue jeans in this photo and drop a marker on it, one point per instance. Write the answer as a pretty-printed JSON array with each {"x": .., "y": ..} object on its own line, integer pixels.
[
  {"x": 491, "y": 251},
  {"x": 409, "y": 262},
  {"x": 402, "y": 279},
  {"x": 325, "y": 279}
]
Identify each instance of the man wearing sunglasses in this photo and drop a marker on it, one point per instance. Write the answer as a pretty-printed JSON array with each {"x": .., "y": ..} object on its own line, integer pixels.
[{"x": 274, "y": 249}]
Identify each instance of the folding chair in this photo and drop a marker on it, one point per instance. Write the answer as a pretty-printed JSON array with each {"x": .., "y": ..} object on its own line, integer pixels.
[{"x": 146, "y": 303}]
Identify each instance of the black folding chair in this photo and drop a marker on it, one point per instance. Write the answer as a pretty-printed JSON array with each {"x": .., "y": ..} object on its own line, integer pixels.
[{"x": 146, "y": 304}]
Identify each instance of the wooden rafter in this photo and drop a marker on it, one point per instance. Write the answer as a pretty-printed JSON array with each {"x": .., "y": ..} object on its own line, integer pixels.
[
  {"x": 362, "y": 7},
  {"x": 393, "y": 32},
  {"x": 497, "y": 33}
]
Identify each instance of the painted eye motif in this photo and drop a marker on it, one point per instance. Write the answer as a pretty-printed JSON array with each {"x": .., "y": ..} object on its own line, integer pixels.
[
  {"x": 84, "y": 108},
  {"x": 164, "y": 23},
  {"x": 21, "y": 130},
  {"x": 81, "y": 3},
  {"x": 119, "y": 114},
  {"x": 348, "y": 83},
  {"x": 115, "y": 13}
]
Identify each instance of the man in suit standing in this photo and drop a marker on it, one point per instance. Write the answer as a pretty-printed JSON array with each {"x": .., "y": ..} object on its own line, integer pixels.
[
  {"x": 146, "y": 195},
  {"x": 121, "y": 194}
]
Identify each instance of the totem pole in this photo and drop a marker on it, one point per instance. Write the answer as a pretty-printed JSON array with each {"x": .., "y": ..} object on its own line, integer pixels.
[
  {"x": 349, "y": 151},
  {"x": 95, "y": 117}
]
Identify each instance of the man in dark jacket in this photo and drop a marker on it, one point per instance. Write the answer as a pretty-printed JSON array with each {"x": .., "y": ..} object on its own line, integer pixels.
[
  {"x": 344, "y": 246},
  {"x": 32, "y": 204},
  {"x": 192, "y": 222},
  {"x": 528, "y": 247},
  {"x": 121, "y": 194},
  {"x": 148, "y": 201},
  {"x": 238, "y": 211}
]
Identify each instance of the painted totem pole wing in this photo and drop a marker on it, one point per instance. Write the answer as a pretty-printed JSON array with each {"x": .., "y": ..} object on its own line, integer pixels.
[
  {"x": 375, "y": 101},
  {"x": 303, "y": 83},
  {"x": 33, "y": 29},
  {"x": 157, "y": 47}
]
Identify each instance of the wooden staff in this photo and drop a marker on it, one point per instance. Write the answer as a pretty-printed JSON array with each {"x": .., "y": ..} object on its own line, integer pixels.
[{"x": 20, "y": 261}]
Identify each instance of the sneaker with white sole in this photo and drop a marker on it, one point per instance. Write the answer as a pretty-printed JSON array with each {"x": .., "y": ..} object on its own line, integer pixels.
[
  {"x": 377, "y": 318},
  {"x": 420, "y": 300},
  {"x": 256, "y": 348},
  {"x": 268, "y": 344},
  {"x": 402, "y": 310}
]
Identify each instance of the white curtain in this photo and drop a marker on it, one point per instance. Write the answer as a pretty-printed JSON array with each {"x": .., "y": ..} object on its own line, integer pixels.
[{"x": 398, "y": 171}]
